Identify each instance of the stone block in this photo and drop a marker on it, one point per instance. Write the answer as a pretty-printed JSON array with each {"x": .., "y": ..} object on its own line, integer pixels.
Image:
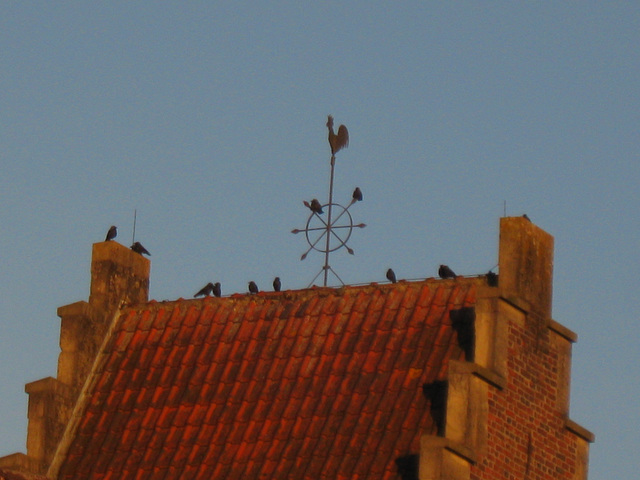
[{"x": 526, "y": 265}]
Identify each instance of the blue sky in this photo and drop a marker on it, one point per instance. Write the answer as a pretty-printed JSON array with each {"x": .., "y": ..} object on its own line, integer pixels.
[{"x": 208, "y": 119}]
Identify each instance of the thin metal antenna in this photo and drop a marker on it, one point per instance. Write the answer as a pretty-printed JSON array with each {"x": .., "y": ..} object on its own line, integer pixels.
[{"x": 135, "y": 212}]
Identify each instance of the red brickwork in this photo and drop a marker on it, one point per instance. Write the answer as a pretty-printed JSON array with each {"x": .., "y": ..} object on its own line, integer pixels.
[{"x": 527, "y": 437}]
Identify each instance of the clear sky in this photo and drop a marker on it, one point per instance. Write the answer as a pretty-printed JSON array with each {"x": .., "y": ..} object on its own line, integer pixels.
[{"x": 208, "y": 119}]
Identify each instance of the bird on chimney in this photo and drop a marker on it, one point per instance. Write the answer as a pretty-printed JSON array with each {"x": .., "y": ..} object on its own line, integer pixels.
[
  {"x": 111, "y": 234},
  {"x": 205, "y": 291},
  {"x": 445, "y": 272},
  {"x": 217, "y": 291},
  {"x": 391, "y": 276},
  {"x": 357, "y": 195},
  {"x": 138, "y": 248},
  {"x": 277, "y": 285},
  {"x": 337, "y": 141},
  {"x": 253, "y": 288}
]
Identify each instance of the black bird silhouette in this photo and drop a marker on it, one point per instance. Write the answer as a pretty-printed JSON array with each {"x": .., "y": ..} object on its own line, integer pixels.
[
  {"x": 492, "y": 279},
  {"x": 206, "y": 290},
  {"x": 111, "y": 234},
  {"x": 314, "y": 206},
  {"x": 526, "y": 217},
  {"x": 253, "y": 288},
  {"x": 357, "y": 195},
  {"x": 277, "y": 285},
  {"x": 138, "y": 248},
  {"x": 217, "y": 291},
  {"x": 446, "y": 272},
  {"x": 391, "y": 276},
  {"x": 339, "y": 141}
]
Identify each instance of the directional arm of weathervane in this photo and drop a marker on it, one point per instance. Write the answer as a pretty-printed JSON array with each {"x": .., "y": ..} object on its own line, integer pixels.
[
  {"x": 318, "y": 228},
  {"x": 313, "y": 245},
  {"x": 318, "y": 239},
  {"x": 321, "y": 219},
  {"x": 343, "y": 243},
  {"x": 335, "y": 228},
  {"x": 341, "y": 213},
  {"x": 298, "y": 230}
]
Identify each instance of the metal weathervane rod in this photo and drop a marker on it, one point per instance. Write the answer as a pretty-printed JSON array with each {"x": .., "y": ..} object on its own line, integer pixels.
[{"x": 328, "y": 247}]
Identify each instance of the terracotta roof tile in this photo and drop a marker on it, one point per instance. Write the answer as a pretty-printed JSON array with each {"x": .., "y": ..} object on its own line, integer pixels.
[{"x": 318, "y": 383}]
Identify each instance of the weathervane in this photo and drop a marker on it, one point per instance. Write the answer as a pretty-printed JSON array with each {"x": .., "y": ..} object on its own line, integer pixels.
[{"x": 334, "y": 231}]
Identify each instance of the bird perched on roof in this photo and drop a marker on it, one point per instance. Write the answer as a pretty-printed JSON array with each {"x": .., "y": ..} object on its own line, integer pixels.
[
  {"x": 357, "y": 195},
  {"x": 314, "y": 206},
  {"x": 253, "y": 288},
  {"x": 138, "y": 248},
  {"x": 391, "y": 276},
  {"x": 206, "y": 290},
  {"x": 446, "y": 272},
  {"x": 337, "y": 141},
  {"x": 111, "y": 234},
  {"x": 277, "y": 285},
  {"x": 526, "y": 217},
  {"x": 217, "y": 291},
  {"x": 492, "y": 279}
]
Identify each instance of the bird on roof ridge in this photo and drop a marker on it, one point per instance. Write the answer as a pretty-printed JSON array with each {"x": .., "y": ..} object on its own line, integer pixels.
[
  {"x": 277, "y": 284},
  {"x": 337, "y": 141},
  {"x": 445, "y": 272},
  {"x": 205, "y": 291},
  {"x": 391, "y": 276},
  {"x": 112, "y": 233},
  {"x": 217, "y": 291},
  {"x": 253, "y": 288}
]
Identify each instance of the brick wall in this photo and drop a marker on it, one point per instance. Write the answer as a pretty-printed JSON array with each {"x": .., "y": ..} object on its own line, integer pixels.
[{"x": 527, "y": 436}]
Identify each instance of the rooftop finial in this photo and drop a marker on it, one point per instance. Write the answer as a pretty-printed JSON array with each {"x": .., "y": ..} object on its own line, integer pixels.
[
  {"x": 339, "y": 141},
  {"x": 334, "y": 233}
]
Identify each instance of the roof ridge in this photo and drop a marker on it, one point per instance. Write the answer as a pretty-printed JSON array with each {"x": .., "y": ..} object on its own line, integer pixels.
[{"x": 315, "y": 291}]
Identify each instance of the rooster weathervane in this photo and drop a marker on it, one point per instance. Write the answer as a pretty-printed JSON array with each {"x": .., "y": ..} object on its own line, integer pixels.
[{"x": 332, "y": 234}]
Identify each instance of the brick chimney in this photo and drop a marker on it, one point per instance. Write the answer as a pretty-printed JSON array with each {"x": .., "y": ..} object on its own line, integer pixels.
[
  {"x": 119, "y": 276},
  {"x": 526, "y": 265}
]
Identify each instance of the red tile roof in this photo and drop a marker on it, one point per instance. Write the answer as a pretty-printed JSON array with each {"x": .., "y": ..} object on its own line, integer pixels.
[{"x": 319, "y": 384}]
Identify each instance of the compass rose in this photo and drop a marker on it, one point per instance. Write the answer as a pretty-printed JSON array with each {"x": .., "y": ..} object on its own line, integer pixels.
[{"x": 330, "y": 232}]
